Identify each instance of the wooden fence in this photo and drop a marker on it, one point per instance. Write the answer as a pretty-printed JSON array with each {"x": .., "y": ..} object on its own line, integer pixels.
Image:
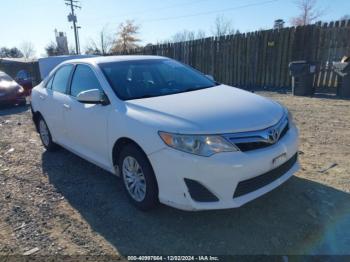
[{"x": 260, "y": 59}]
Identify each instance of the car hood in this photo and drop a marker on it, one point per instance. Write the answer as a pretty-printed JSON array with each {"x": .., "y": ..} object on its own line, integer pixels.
[
  {"x": 8, "y": 86},
  {"x": 216, "y": 110}
]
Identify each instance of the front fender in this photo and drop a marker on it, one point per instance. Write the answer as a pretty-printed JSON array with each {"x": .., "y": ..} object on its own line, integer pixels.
[{"x": 120, "y": 125}]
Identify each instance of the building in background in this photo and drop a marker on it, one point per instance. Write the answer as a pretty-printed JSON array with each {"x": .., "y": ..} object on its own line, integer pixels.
[
  {"x": 62, "y": 42},
  {"x": 279, "y": 24}
]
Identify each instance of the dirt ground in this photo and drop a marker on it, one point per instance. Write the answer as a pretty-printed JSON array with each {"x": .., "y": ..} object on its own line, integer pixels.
[{"x": 57, "y": 203}]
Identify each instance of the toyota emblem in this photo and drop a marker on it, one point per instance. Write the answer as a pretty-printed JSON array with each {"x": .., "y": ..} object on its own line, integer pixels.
[{"x": 273, "y": 136}]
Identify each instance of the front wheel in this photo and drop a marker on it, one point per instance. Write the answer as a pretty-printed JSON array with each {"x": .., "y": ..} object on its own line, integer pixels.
[
  {"x": 138, "y": 178},
  {"x": 45, "y": 135}
]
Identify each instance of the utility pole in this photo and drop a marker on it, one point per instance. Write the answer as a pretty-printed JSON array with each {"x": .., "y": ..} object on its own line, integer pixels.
[
  {"x": 78, "y": 27},
  {"x": 73, "y": 18}
]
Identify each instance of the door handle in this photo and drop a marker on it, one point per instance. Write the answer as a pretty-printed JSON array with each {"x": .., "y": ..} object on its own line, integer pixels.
[{"x": 66, "y": 106}]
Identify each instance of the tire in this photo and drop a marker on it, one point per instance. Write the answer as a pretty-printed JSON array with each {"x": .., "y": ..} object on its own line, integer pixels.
[
  {"x": 45, "y": 136},
  {"x": 143, "y": 178}
]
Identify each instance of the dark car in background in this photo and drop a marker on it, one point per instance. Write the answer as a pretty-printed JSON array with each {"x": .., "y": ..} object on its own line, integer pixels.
[
  {"x": 11, "y": 93},
  {"x": 24, "y": 78}
]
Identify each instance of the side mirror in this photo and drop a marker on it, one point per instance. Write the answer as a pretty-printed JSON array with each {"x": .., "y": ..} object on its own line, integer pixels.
[
  {"x": 210, "y": 77},
  {"x": 93, "y": 96}
]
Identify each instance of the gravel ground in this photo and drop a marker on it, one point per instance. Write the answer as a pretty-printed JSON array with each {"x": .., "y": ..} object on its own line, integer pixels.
[{"x": 57, "y": 203}]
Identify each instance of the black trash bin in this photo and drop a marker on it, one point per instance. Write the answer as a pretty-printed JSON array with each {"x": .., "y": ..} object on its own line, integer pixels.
[
  {"x": 343, "y": 71},
  {"x": 303, "y": 75}
]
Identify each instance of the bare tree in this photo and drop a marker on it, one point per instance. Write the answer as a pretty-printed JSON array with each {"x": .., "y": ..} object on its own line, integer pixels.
[
  {"x": 13, "y": 52},
  {"x": 101, "y": 46},
  {"x": 89, "y": 50},
  {"x": 127, "y": 37},
  {"x": 105, "y": 41},
  {"x": 183, "y": 36},
  {"x": 186, "y": 35},
  {"x": 201, "y": 34},
  {"x": 27, "y": 49},
  {"x": 309, "y": 13},
  {"x": 222, "y": 26},
  {"x": 52, "y": 49}
]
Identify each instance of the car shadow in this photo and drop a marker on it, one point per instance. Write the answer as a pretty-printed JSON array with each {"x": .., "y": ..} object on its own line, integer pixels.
[
  {"x": 6, "y": 110},
  {"x": 300, "y": 217}
]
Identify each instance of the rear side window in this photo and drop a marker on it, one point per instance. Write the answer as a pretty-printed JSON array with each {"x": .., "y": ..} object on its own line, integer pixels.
[
  {"x": 83, "y": 79},
  {"x": 61, "y": 78}
]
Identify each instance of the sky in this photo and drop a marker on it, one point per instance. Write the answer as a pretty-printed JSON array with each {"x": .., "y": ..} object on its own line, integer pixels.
[{"x": 36, "y": 20}]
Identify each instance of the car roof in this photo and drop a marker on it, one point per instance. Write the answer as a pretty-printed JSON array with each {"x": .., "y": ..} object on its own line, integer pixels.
[{"x": 110, "y": 59}]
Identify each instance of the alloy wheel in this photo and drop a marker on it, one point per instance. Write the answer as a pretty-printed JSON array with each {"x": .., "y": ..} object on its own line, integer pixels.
[
  {"x": 44, "y": 133},
  {"x": 134, "y": 179}
]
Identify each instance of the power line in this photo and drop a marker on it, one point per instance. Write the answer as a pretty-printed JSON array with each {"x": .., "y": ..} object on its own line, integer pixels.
[
  {"x": 167, "y": 7},
  {"x": 74, "y": 4},
  {"x": 210, "y": 12},
  {"x": 125, "y": 16}
]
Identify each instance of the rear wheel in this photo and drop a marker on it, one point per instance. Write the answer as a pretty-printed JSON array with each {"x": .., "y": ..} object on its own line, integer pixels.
[
  {"x": 138, "y": 177},
  {"x": 45, "y": 135}
]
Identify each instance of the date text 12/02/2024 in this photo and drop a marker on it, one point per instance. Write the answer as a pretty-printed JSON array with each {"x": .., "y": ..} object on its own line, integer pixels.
[{"x": 173, "y": 258}]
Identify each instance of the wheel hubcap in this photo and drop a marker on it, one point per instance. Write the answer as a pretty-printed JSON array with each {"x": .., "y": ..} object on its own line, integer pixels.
[
  {"x": 44, "y": 133},
  {"x": 134, "y": 179}
]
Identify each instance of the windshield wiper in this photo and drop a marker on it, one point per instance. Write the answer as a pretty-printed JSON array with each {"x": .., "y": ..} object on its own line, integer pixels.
[
  {"x": 195, "y": 89},
  {"x": 179, "y": 92},
  {"x": 189, "y": 90}
]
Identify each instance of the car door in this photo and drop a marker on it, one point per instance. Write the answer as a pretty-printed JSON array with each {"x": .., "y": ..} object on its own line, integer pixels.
[
  {"x": 54, "y": 98},
  {"x": 86, "y": 124}
]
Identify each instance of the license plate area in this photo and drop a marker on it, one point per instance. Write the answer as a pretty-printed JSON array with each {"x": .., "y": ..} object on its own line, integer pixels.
[{"x": 281, "y": 159}]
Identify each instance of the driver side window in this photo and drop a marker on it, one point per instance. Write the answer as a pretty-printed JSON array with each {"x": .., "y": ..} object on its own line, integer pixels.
[{"x": 83, "y": 79}]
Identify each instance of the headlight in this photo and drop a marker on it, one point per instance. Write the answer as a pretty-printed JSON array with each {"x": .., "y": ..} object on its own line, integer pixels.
[
  {"x": 20, "y": 90},
  {"x": 198, "y": 144}
]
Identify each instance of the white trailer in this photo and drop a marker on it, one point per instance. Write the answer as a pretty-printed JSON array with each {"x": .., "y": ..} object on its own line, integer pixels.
[{"x": 48, "y": 63}]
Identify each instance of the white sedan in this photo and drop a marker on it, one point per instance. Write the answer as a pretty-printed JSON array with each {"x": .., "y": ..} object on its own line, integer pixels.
[{"x": 174, "y": 135}]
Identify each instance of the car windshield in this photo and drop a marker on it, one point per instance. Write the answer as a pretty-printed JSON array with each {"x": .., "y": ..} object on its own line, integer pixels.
[{"x": 153, "y": 77}]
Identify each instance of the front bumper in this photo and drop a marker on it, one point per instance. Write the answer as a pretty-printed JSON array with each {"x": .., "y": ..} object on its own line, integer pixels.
[
  {"x": 12, "y": 99},
  {"x": 220, "y": 174}
]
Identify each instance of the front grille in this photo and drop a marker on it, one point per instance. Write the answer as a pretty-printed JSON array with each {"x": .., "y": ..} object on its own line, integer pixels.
[
  {"x": 253, "y": 184},
  {"x": 244, "y": 147}
]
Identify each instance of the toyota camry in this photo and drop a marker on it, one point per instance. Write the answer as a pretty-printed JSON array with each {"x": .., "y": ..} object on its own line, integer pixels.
[{"x": 172, "y": 134}]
